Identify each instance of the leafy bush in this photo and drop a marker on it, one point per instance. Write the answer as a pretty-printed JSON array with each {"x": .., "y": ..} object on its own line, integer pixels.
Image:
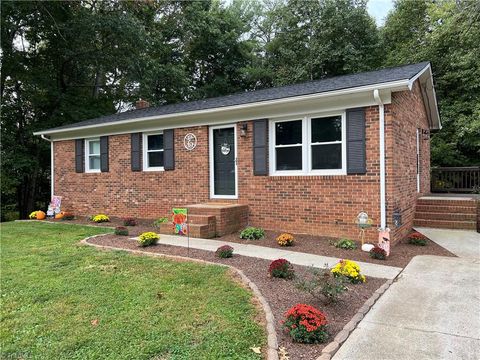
[
  {"x": 100, "y": 218},
  {"x": 378, "y": 253},
  {"x": 224, "y": 252},
  {"x": 281, "y": 268},
  {"x": 129, "y": 221},
  {"x": 350, "y": 270},
  {"x": 346, "y": 244},
  {"x": 415, "y": 238},
  {"x": 252, "y": 233},
  {"x": 285, "y": 239},
  {"x": 121, "y": 230},
  {"x": 68, "y": 216},
  {"x": 306, "y": 324},
  {"x": 323, "y": 284},
  {"x": 148, "y": 238},
  {"x": 160, "y": 221}
]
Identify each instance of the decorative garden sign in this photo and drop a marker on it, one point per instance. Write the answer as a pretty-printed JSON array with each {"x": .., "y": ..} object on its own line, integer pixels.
[
  {"x": 190, "y": 141},
  {"x": 179, "y": 218}
]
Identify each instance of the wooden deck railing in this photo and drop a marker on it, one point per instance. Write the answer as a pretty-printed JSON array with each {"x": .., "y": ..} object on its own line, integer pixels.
[{"x": 455, "y": 179}]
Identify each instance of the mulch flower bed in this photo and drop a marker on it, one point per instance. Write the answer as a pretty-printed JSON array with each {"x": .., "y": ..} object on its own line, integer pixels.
[
  {"x": 401, "y": 252},
  {"x": 281, "y": 294}
]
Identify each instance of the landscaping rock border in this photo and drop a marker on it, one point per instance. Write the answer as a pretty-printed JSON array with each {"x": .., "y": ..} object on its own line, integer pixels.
[
  {"x": 331, "y": 348},
  {"x": 272, "y": 343}
]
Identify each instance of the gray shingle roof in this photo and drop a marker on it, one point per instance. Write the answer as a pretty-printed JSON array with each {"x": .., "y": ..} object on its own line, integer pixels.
[{"x": 405, "y": 72}]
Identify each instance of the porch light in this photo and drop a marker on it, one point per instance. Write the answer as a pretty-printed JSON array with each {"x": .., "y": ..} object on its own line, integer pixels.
[{"x": 243, "y": 130}]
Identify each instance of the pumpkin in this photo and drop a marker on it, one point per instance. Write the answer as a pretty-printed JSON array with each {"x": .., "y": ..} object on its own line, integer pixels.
[
  {"x": 41, "y": 215},
  {"x": 60, "y": 215}
]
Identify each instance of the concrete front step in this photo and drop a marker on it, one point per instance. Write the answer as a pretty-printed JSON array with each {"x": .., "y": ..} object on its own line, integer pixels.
[
  {"x": 446, "y": 224},
  {"x": 445, "y": 216},
  {"x": 447, "y": 209}
]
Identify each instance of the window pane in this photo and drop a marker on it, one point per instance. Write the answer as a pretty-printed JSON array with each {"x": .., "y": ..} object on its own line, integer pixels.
[
  {"x": 155, "y": 142},
  {"x": 94, "y": 162},
  {"x": 94, "y": 147},
  {"x": 155, "y": 159},
  {"x": 327, "y": 129},
  {"x": 289, "y": 158},
  {"x": 288, "y": 132},
  {"x": 327, "y": 156}
]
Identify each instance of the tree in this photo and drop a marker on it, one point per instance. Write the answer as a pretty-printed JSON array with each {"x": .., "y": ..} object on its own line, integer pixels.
[{"x": 445, "y": 33}]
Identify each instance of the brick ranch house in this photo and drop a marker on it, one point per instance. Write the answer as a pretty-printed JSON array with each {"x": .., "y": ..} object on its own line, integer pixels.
[{"x": 304, "y": 158}]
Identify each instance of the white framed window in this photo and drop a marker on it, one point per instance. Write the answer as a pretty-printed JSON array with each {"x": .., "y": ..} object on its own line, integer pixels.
[
  {"x": 153, "y": 151},
  {"x": 308, "y": 145},
  {"x": 92, "y": 155}
]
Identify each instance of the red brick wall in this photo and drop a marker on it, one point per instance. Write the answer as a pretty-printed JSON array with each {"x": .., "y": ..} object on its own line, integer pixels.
[
  {"x": 325, "y": 205},
  {"x": 408, "y": 114}
]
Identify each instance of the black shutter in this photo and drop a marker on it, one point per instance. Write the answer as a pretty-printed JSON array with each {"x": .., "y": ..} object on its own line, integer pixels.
[
  {"x": 356, "y": 148},
  {"x": 136, "y": 154},
  {"x": 260, "y": 147},
  {"x": 79, "y": 155},
  {"x": 169, "y": 149},
  {"x": 104, "y": 153}
]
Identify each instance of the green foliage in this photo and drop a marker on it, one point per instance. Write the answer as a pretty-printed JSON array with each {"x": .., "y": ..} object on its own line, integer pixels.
[
  {"x": 346, "y": 244},
  {"x": 282, "y": 269},
  {"x": 224, "y": 251},
  {"x": 252, "y": 233},
  {"x": 445, "y": 33},
  {"x": 160, "y": 221},
  {"x": 121, "y": 230},
  {"x": 322, "y": 284},
  {"x": 140, "y": 296}
]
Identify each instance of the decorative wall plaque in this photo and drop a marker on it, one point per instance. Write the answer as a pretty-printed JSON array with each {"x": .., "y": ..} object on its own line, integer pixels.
[{"x": 190, "y": 141}]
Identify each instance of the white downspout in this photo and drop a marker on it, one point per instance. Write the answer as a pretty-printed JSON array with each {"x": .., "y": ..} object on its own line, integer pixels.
[
  {"x": 52, "y": 165},
  {"x": 381, "y": 112}
]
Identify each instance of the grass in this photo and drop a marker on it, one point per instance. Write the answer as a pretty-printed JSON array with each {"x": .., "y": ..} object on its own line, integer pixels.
[{"x": 146, "y": 308}]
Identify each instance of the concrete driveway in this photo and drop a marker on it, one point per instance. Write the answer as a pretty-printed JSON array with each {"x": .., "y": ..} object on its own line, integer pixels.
[{"x": 432, "y": 311}]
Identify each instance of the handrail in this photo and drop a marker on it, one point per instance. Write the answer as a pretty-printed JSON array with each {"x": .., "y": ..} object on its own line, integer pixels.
[{"x": 459, "y": 179}]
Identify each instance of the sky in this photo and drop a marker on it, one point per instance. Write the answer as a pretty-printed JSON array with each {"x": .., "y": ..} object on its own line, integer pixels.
[{"x": 379, "y": 9}]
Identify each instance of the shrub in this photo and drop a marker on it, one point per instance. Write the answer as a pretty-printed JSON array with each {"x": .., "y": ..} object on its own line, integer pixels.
[
  {"x": 346, "y": 244},
  {"x": 281, "y": 268},
  {"x": 323, "y": 284},
  {"x": 148, "y": 238},
  {"x": 225, "y": 251},
  {"x": 121, "y": 230},
  {"x": 350, "y": 270},
  {"x": 306, "y": 324},
  {"x": 252, "y": 233},
  {"x": 160, "y": 221},
  {"x": 285, "y": 239},
  {"x": 68, "y": 216},
  {"x": 378, "y": 253},
  {"x": 415, "y": 238},
  {"x": 129, "y": 221},
  {"x": 100, "y": 218}
]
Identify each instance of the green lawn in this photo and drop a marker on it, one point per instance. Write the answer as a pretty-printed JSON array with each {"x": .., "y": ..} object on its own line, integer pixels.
[{"x": 52, "y": 288}]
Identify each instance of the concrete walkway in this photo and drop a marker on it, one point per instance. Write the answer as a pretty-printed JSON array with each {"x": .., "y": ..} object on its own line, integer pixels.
[
  {"x": 462, "y": 243},
  {"x": 432, "y": 311},
  {"x": 262, "y": 252}
]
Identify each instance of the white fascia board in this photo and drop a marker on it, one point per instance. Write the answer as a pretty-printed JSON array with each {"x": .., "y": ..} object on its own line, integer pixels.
[
  {"x": 425, "y": 77},
  {"x": 360, "y": 96}
]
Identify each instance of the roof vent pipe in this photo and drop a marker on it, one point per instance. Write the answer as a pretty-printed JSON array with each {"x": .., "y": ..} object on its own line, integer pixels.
[{"x": 381, "y": 113}]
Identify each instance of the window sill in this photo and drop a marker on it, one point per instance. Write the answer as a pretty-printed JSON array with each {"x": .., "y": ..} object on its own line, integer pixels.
[
  {"x": 93, "y": 171},
  {"x": 311, "y": 173},
  {"x": 154, "y": 169}
]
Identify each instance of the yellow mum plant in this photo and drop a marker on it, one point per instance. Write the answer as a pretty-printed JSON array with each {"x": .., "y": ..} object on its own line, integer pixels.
[
  {"x": 100, "y": 218},
  {"x": 285, "y": 239},
  {"x": 148, "y": 238},
  {"x": 350, "y": 270}
]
